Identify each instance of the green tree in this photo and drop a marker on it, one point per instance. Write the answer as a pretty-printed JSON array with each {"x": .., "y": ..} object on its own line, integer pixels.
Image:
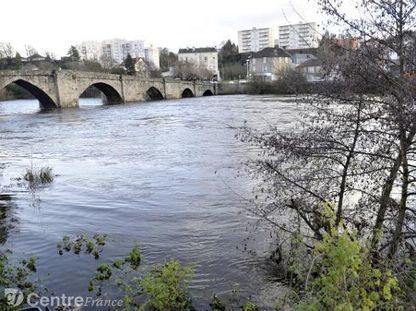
[
  {"x": 18, "y": 61},
  {"x": 229, "y": 49},
  {"x": 129, "y": 64},
  {"x": 167, "y": 59},
  {"x": 232, "y": 65},
  {"x": 73, "y": 53}
]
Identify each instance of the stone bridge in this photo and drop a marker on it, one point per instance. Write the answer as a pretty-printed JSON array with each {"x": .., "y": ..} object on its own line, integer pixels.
[{"x": 62, "y": 89}]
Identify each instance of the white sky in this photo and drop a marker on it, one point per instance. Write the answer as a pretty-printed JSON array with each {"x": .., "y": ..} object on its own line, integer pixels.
[{"x": 53, "y": 25}]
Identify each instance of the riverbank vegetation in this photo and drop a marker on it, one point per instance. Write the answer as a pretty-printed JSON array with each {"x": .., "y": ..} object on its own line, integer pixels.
[{"x": 339, "y": 186}]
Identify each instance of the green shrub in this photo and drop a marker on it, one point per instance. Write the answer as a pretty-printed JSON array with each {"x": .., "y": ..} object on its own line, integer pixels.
[
  {"x": 166, "y": 287},
  {"x": 345, "y": 278}
]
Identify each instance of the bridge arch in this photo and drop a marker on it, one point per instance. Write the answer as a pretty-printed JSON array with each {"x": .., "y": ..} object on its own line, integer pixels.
[
  {"x": 112, "y": 96},
  {"x": 45, "y": 101},
  {"x": 187, "y": 93},
  {"x": 208, "y": 93},
  {"x": 153, "y": 94}
]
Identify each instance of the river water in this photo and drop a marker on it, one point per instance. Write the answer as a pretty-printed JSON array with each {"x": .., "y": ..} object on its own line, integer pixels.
[{"x": 160, "y": 174}]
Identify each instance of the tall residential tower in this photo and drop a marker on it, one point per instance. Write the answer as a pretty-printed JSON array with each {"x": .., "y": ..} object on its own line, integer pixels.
[
  {"x": 299, "y": 36},
  {"x": 255, "y": 39}
]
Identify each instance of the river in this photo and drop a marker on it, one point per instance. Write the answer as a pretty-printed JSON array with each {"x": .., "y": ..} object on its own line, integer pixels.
[{"x": 162, "y": 174}]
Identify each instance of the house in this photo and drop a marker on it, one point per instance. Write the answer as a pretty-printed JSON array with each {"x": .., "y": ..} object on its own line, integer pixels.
[
  {"x": 203, "y": 58},
  {"x": 141, "y": 67},
  {"x": 269, "y": 63},
  {"x": 311, "y": 70},
  {"x": 302, "y": 55},
  {"x": 36, "y": 58}
]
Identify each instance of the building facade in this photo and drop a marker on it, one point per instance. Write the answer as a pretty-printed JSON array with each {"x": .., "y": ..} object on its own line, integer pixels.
[
  {"x": 204, "y": 58},
  {"x": 255, "y": 39},
  {"x": 269, "y": 64},
  {"x": 151, "y": 54},
  {"x": 311, "y": 70},
  {"x": 299, "y": 36},
  {"x": 302, "y": 55},
  {"x": 90, "y": 50},
  {"x": 117, "y": 50}
]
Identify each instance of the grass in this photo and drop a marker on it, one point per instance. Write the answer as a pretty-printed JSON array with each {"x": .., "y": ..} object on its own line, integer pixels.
[{"x": 36, "y": 177}]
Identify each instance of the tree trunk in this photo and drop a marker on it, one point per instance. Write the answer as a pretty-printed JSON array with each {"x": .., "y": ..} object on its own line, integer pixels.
[
  {"x": 347, "y": 166},
  {"x": 384, "y": 202}
]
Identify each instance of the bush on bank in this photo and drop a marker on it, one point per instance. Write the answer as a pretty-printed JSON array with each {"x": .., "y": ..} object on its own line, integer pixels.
[{"x": 337, "y": 274}]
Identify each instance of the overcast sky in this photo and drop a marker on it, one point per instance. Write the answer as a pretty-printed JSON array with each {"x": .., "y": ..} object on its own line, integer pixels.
[{"x": 51, "y": 25}]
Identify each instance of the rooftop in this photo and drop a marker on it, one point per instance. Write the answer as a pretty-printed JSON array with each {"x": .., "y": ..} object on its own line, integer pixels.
[
  {"x": 310, "y": 63},
  {"x": 271, "y": 52},
  {"x": 197, "y": 50}
]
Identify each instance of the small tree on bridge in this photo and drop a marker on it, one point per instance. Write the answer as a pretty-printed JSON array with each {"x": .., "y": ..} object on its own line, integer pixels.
[
  {"x": 129, "y": 64},
  {"x": 73, "y": 54}
]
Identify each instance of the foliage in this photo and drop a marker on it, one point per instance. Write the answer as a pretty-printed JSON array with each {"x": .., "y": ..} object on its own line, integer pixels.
[
  {"x": 232, "y": 65},
  {"x": 118, "y": 71},
  {"x": 129, "y": 64},
  {"x": 167, "y": 59},
  {"x": 93, "y": 246},
  {"x": 289, "y": 83},
  {"x": 191, "y": 72},
  {"x": 249, "y": 306},
  {"x": 37, "y": 177},
  {"x": 166, "y": 287},
  {"x": 346, "y": 280},
  {"x": 216, "y": 304},
  {"x": 18, "y": 276},
  {"x": 340, "y": 275},
  {"x": 18, "y": 61},
  {"x": 73, "y": 54}
]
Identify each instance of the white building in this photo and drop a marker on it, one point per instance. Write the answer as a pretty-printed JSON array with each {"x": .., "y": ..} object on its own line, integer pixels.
[
  {"x": 255, "y": 39},
  {"x": 269, "y": 64},
  {"x": 117, "y": 50},
  {"x": 206, "y": 58},
  {"x": 90, "y": 50},
  {"x": 152, "y": 56},
  {"x": 299, "y": 36}
]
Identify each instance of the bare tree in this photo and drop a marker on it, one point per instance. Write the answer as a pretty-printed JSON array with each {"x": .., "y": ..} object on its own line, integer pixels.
[
  {"x": 30, "y": 50},
  {"x": 6, "y": 50},
  {"x": 190, "y": 71},
  {"x": 107, "y": 62},
  {"x": 354, "y": 147}
]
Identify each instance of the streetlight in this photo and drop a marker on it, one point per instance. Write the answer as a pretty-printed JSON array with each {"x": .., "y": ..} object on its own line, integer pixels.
[{"x": 248, "y": 66}]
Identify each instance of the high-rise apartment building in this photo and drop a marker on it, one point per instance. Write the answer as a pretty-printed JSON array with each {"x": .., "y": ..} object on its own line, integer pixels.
[
  {"x": 299, "y": 36},
  {"x": 118, "y": 49},
  {"x": 90, "y": 50},
  {"x": 255, "y": 39}
]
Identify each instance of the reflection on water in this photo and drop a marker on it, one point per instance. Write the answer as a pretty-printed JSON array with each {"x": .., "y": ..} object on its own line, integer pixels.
[{"x": 162, "y": 174}]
